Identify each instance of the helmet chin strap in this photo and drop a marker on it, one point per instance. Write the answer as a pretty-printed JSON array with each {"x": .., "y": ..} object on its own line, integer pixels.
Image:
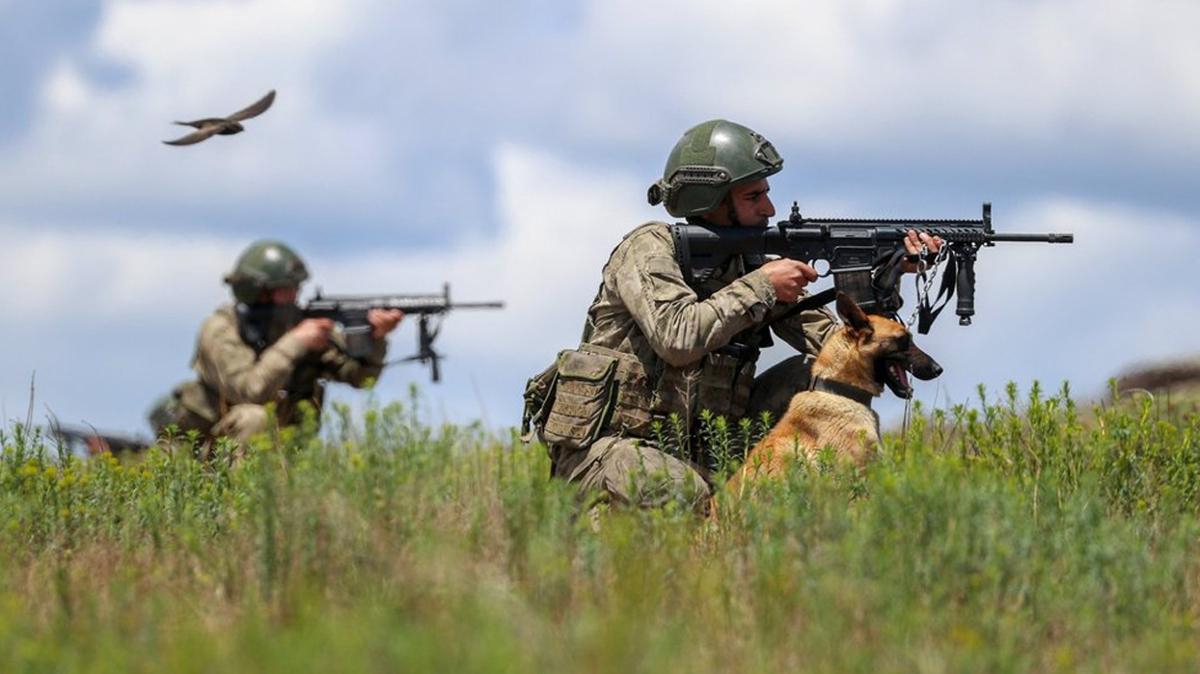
[{"x": 732, "y": 212}]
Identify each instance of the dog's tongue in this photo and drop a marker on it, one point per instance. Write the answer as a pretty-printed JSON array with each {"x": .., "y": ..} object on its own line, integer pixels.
[{"x": 901, "y": 377}]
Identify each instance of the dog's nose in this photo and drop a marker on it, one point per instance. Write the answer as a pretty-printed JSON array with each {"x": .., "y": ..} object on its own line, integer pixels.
[{"x": 927, "y": 369}]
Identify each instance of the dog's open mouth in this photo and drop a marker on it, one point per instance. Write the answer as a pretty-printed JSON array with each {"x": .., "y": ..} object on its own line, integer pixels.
[{"x": 894, "y": 373}]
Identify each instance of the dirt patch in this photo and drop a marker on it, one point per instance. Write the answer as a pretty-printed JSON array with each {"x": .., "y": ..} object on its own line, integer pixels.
[{"x": 1166, "y": 376}]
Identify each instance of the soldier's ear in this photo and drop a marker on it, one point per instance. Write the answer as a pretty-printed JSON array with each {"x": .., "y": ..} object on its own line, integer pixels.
[{"x": 852, "y": 314}]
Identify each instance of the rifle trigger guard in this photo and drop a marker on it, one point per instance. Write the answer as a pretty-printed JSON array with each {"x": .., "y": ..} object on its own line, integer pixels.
[{"x": 828, "y": 268}]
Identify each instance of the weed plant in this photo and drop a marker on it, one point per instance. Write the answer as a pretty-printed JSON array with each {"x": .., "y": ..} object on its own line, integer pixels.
[{"x": 1023, "y": 535}]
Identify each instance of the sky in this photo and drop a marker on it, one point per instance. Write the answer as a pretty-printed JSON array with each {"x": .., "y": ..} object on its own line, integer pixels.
[{"x": 505, "y": 148}]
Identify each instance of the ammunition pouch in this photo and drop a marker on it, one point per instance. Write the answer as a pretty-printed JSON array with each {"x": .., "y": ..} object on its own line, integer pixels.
[
  {"x": 539, "y": 394},
  {"x": 584, "y": 391},
  {"x": 595, "y": 391},
  {"x": 190, "y": 406},
  {"x": 724, "y": 385}
]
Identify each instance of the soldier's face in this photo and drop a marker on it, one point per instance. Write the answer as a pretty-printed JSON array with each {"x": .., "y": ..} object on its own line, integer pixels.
[
  {"x": 748, "y": 205},
  {"x": 285, "y": 295}
]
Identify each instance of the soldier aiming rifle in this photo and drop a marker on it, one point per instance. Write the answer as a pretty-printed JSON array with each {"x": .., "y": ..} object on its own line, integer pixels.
[
  {"x": 265, "y": 349},
  {"x": 684, "y": 310}
]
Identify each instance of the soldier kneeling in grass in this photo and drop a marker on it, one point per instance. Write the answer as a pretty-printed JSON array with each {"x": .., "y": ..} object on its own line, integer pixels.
[
  {"x": 659, "y": 344},
  {"x": 259, "y": 350}
]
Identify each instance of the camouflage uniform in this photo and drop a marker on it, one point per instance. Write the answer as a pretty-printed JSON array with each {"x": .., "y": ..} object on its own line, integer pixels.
[
  {"x": 671, "y": 358},
  {"x": 239, "y": 381},
  {"x": 657, "y": 346},
  {"x": 247, "y": 357}
]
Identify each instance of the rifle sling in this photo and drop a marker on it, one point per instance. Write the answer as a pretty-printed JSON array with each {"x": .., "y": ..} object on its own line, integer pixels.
[
  {"x": 927, "y": 313},
  {"x": 811, "y": 302}
]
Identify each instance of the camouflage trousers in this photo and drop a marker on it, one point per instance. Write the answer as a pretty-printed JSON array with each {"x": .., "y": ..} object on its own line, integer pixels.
[
  {"x": 242, "y": 422},
  {"x": 632, "y": 471},
  {"x": 239, "y": 424}
]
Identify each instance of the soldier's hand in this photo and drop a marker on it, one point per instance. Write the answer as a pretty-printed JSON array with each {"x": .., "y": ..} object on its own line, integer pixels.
[
  {"x": 314, "y": 333},
  {"x": 912, "y": 243},
  {"x": 789, "y": 277},
  {"x": 383, "y": 321}
]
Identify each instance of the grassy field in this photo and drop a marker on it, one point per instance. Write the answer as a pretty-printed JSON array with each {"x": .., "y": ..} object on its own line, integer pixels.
[{"x": 1023, "y": 536}]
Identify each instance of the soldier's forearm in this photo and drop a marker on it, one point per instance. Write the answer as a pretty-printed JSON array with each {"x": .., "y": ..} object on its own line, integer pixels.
[
  {"x": 259, "y": 381},
  {"x": 358, "y": 372},
  {"x": 683, "y": 331},
  {"x": 807, "y": 331}
]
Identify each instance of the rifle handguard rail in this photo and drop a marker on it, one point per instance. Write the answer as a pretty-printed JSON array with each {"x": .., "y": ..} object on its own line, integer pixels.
[{"x": 853, "y": 245}]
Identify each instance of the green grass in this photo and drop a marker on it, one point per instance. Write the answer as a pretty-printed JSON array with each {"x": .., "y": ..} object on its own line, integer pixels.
[{"x": 1022, "y": 536}]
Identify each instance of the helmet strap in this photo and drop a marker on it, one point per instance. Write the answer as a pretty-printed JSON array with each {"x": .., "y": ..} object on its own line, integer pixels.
[
  {"x": 725, "y": 204},
  {"x": 730, "y": 210}
]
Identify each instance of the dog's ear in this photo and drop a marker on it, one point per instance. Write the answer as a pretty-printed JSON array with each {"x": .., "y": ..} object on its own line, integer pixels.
[{"x": 851, "y": 313}]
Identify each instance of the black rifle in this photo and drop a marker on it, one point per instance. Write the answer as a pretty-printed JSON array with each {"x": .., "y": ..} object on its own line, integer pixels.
[
  {"x": 350, "y": 312},
  {"x": 863, "y": 254},
  {"x": 86, "y": 441}
]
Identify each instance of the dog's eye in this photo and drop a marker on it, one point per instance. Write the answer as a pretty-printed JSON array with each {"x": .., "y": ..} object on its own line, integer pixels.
[{"x": 903, "y": 342}]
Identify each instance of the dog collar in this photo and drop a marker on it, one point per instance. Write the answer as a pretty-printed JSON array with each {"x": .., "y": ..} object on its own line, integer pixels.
[{"x": 845, "y": 390}]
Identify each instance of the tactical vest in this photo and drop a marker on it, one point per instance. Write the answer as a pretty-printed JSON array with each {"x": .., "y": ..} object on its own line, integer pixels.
[
  {"x": 195, "y": 405},
  {"x": 305, "y": 382},
  {"x": 594, "y": 391}
]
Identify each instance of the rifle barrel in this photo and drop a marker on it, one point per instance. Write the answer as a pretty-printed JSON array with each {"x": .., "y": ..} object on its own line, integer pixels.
[
  {"x": 1053, "y": 237},
  {"x": 915, "y": 223},
  {"x": 477, "y": 305},
  {"x": 415, "y": 304}
]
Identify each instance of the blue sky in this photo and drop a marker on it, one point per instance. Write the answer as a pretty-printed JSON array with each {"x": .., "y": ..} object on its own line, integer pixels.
[{"x": 506, "y": 147}]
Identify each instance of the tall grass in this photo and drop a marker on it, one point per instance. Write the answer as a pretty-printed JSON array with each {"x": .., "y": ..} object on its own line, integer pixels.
[{"x": 1025, "y": 535}]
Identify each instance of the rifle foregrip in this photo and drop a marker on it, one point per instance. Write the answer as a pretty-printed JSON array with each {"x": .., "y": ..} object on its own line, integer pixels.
[{"x": 965, "y": 286}]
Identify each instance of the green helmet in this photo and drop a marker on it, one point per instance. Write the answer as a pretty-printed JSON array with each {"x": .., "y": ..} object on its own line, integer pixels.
[
  {"x": 709, "y": 159},
  {"x": 263, "y": 266}
]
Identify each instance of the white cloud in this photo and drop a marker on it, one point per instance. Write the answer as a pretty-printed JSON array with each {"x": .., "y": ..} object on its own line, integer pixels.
[
  {"x": 106, "y": 276},
  {"x": 850, "y": 77},
  {"x": 190, "y": 60},
  {"x": 558, "y": 219},
  {"x": 845, "y": 75}
]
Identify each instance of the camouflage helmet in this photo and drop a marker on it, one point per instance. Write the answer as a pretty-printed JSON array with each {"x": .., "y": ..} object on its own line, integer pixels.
[
  {"x": 709, "y": 159},
  {"x": 265, "y": 265}
]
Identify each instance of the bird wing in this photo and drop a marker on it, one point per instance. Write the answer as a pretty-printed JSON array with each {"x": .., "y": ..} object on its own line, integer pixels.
[
  {"x": 201, "y": 123},
  {"x": 194, "y": 137},
  {"x": 259, "y": 107}
]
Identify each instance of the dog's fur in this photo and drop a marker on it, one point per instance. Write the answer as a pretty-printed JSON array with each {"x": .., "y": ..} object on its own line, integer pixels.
[{"x": 867, "y": 352}]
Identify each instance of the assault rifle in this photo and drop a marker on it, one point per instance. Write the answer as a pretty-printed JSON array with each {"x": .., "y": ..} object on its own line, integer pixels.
[
  {"x": 350, "y": 312},
  {"x": 863, "y": 254},
  {"x": 86, "y": 441}
]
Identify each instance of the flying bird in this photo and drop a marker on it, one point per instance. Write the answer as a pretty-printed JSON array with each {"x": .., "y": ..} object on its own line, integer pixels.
[{"x": 225, "y": 126}]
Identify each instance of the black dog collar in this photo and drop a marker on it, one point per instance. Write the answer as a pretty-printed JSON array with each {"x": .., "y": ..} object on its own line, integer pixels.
[{"x": 845, "y": 390}]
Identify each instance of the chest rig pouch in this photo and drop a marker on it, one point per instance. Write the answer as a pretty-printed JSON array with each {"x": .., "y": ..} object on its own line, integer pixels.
[
  {"x": 260, "y": 326},
  {"x": 722, "y": 381},
  {"x": 594, "y": 391},
  {"x": 579, "y": 400}
]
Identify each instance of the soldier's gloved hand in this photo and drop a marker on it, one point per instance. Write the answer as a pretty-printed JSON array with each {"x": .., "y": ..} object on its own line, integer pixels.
[
  {"x": 383, "y": 321},
  {"x": 789, "y": 277},
  {"x": 912, "y": 242},
  {"x": 314, "y": 333}
]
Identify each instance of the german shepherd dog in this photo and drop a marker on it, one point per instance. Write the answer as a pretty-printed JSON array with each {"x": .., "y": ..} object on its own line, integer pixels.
[{"x": 862, "y": 356}]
